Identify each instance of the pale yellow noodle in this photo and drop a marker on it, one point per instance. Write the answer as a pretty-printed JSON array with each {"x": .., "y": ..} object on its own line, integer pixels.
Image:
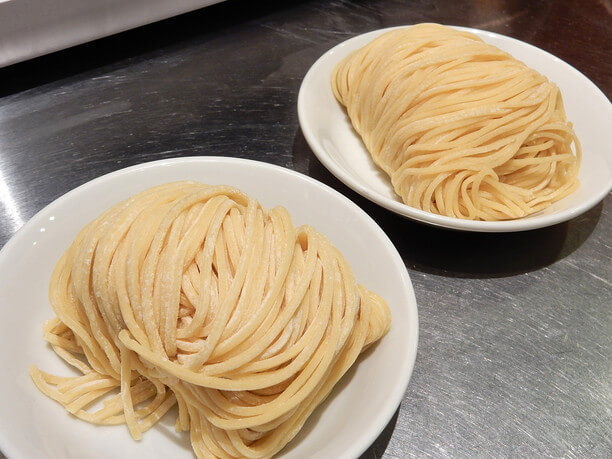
[
  {"x": 195, "y": 296},
  {"x": 461, "y": 128}
]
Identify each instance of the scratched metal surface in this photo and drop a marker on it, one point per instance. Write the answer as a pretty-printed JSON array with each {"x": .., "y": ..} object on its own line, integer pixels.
[{"x": 515, "y": 345}]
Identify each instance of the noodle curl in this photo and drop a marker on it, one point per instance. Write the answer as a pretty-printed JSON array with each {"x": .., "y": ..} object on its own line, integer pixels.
[
  {"x": 194, "y": 296},
  {"x": 462, "y": 128}
]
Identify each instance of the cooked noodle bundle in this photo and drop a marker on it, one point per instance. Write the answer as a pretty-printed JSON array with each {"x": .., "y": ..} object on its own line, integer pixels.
[
  {"x": 194, "y": 295},
  {"x": 462, "y": 128}
]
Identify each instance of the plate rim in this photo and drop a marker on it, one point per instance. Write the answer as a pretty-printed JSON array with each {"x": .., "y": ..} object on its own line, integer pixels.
[
  {"x": 412, "y": 213},
  {"x": 410, "y": 345}
]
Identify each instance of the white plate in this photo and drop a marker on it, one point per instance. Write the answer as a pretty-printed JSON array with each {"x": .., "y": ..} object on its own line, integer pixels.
[
  {"x": 32, "y": 425},
  {"x": 329, "y": 133}
]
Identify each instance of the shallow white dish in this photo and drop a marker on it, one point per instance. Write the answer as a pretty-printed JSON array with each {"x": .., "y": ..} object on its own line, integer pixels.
[
  {"x": 329, "y": 133},
  {"x": 32, "y": 425}
]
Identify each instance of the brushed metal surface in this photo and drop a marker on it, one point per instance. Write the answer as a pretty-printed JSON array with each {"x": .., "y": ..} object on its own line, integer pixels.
[
  {"x": 515, "y": 345},
  {"x": 31, "y": 28}
]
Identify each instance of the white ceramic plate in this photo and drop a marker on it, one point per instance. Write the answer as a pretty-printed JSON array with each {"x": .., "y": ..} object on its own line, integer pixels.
[
  {"x": 32, "y": 425},
  {"x": 329, "y": 133}
]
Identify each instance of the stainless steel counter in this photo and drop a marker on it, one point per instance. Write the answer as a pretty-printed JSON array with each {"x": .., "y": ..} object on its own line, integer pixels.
[{"x": 515, "y": 329}]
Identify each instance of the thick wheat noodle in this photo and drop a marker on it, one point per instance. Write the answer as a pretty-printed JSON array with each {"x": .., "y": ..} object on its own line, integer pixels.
[
  {"x": 461, "y": 128},
  {"x": 195, "y": 296}
]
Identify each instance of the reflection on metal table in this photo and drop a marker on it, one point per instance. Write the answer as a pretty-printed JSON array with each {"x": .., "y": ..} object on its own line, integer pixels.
[{"x": 515, "y": 339}]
